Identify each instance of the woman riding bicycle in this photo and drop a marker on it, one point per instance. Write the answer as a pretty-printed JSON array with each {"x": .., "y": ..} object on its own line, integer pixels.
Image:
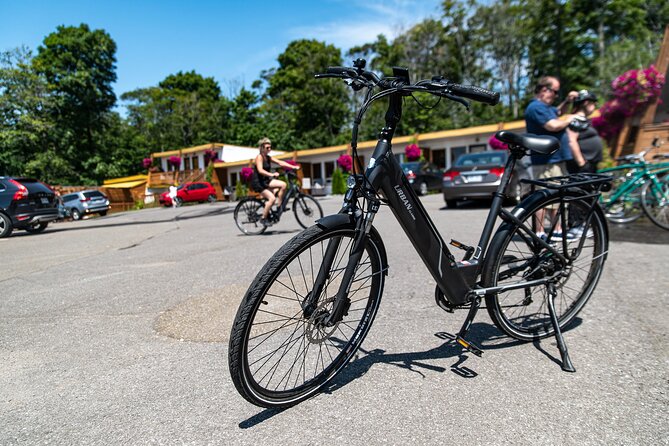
[{"x": 264, "y": 180}]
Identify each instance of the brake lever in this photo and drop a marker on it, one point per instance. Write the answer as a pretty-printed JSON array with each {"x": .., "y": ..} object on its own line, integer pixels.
[{"x": 456, "y": 99}]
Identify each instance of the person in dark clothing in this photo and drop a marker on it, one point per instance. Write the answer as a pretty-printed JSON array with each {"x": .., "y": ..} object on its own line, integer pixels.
[
  {"x": 586, "y": 145},
  {"x": 264, "y": 180}
]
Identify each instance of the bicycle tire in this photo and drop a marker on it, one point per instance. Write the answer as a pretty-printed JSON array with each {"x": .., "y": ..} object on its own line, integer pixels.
[
  {"x": 255, "y": 342},
  {"x": 627, "y": 208},
  {"x": 247, "y": 216},
  {"x": 514, "y": 257},
  {"x": 307, "y": 210},
  {"x": 655, "y": 203}
]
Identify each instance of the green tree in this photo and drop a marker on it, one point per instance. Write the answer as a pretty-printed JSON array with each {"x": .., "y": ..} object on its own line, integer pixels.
[
  {"x": 79, "y": 67},
  {"x": 315, "y": 110}
]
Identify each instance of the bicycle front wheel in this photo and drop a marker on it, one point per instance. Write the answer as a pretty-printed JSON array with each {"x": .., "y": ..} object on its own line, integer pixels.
[
  {"x": 516, "y": 258},
  {"x": 655, "y": 201},
  {"x": 248, "y": 213},
  {"x": 307, "y": 210},
  {"x": 279, "y": 353}
]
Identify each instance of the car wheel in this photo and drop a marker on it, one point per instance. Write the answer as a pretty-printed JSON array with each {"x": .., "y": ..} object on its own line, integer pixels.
[
  {"x": 452, "y": 203},
  {"x": 178, "y": 201},
  {"x": 422, "y": 189},
  {"x": 103, "y": 213},
  {"x": 211, "y": 198},
  {"x": 76, "y": 214},
  {"x": 5, "y": 226},
  {"x": 37, "y": 227}
]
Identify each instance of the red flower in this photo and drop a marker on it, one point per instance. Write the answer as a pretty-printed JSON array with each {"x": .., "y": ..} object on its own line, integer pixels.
[{"x": 496, "y": 144}]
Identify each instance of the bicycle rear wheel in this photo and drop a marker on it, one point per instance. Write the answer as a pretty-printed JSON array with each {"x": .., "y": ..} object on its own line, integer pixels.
[
  {"x": 280, "y": 355},
  {"x": 655, "y": 201},
  {"x": 626, "y": 208},
  {"x": 248, "y": 213},
  {"x": 307, "y": 210},
  {"x": 514, "y": 257}
]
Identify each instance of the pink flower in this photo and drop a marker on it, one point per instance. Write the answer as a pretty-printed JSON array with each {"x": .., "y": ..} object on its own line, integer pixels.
[
  {"x": 345, "y": 161},
  {"x": 174, "y": 161},
  {"x": 147, "y": 162},
  {"x": 246, "y": 174},
  {"x": 496, "y": 144},
  {"x": 412, "y": 152}
]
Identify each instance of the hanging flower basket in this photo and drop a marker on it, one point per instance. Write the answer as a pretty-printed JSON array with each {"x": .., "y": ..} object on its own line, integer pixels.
[
  {"x": 246, "y": 174},
  {"x": 496, "y": 144},
  {"x": 174, "y": 161},
  {"x": 631, "y": 91},
  {"x": 147, "y": 162},
  {"x": 412, "y": 152},
  {"x": 210, "y": 156},
  {"x": 345, "y": 162}
]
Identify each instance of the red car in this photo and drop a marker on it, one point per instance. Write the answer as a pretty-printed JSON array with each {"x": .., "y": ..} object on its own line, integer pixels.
[{"x": 189, "y": 192}]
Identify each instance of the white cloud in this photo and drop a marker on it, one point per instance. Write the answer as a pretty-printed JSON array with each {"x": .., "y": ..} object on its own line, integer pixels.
[{"x": 389, "y": 18}]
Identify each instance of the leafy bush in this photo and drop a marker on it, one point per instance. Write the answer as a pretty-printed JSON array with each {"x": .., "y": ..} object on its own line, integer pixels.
[{"x": 338, "y": 182}]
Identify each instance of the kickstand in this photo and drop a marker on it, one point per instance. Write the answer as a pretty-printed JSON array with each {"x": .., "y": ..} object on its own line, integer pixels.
[
  {"x": 460, "y": 338},
  {"x": 567, "y": 366}
]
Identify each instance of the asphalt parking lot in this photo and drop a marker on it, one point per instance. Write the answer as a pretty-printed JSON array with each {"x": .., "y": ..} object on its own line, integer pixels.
[{"x": 114, "y": 330}]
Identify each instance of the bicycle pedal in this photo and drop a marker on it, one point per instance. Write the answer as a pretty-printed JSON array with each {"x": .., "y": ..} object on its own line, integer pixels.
[
  {"x": 470, "y": 347},
  {"x": 469, "y": 250}
]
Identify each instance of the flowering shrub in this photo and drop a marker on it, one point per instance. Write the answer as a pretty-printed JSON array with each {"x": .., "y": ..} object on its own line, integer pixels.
[
  {"x": 496, "y": 144},
  {"x": 209, "y": 156},
  {"x": 174, "y": 161},
  {"x": 632, "y": 90},
  {"x": 246, "y": 174},
  {"x": 292, "y": 163},
  {"x": 412, "y": 152},
  {"x": 147, "y": 162},
  {"x": 345, "y": 161}
]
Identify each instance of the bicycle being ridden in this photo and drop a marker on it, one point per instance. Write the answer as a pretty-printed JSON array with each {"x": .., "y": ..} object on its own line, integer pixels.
[
  {"x": 248, "y": 213},
  {"x": 312, "y": 304}
]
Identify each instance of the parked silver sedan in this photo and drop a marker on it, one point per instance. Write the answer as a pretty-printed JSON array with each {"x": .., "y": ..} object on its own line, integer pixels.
[{"x": 477, "y": 175}]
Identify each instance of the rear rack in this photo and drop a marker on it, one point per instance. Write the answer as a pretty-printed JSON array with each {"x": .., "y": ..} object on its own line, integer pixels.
[{"x": 596, "y": 181}]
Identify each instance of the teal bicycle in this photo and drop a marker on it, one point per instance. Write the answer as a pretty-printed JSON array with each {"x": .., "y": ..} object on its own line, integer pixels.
[{"x": 638, "y": 188}]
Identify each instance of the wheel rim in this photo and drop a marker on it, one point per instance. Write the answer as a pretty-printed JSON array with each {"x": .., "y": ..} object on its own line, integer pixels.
[
  {"x": 247, "y": 217},
  {"x": 288, "y": 356},
  {"x": 655, "y": 202},
  {"x": 524, "y": 313},
  {"x": 307, "y": 211}
]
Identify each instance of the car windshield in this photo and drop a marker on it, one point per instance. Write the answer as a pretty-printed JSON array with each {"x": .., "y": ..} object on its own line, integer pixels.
[
  {"x": 181, "y": 186},
  {"x": 410, "y": 167},
  {"x": 481, "y": 159}
]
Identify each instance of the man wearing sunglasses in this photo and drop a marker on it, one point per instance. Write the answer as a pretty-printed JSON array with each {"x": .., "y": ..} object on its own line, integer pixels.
[{"x": 541, "y": 118}]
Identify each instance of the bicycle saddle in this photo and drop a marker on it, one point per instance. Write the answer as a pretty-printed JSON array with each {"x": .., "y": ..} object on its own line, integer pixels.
[{"x": 541, "y": 144}]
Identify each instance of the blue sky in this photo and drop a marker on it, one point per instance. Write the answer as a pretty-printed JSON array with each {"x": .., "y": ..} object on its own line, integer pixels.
[{"x": 231, "y": 41}]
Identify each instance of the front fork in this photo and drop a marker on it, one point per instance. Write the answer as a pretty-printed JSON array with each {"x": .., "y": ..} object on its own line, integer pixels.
[{"x": 341, "y": 304}]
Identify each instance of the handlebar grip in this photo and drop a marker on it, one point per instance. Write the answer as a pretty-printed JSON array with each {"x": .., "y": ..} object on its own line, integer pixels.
[{"x": 475, "y": 93}]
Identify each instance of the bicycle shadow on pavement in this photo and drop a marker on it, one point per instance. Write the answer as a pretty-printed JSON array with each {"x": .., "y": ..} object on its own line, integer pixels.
[{"x": 485, "y": 335}]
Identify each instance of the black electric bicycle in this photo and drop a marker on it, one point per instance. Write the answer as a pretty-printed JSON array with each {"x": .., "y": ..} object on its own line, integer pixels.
[
  {"x": 306, "y": 208},
  {"x": 309, "y": 309}
]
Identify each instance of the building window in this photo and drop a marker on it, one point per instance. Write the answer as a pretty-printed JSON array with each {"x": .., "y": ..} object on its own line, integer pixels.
[
  {"x": 186, "y": 163},
  {"x": 196, "y": 162},
  {"x": 329, "y": 168},
  {"x": 456, "y": 152},
  {"x": 439, "y": 157},
  {"x": 476, "y": 148}
]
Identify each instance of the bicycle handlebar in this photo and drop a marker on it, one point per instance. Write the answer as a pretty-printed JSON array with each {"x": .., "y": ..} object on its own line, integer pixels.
[{"x": 358, "y": 78}]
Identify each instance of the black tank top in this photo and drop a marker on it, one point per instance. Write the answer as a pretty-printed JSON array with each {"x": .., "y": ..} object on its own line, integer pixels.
[{"x": 591, "y": 144}]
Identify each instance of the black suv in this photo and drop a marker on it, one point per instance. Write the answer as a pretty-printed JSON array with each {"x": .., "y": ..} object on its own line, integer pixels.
[{"x": 26, "y": 203}]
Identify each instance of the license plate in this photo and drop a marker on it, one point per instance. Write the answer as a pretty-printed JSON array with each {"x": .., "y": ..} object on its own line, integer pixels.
[
  {"x": 474, "y": 178},
  {"x": 44, "y": 200}
]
